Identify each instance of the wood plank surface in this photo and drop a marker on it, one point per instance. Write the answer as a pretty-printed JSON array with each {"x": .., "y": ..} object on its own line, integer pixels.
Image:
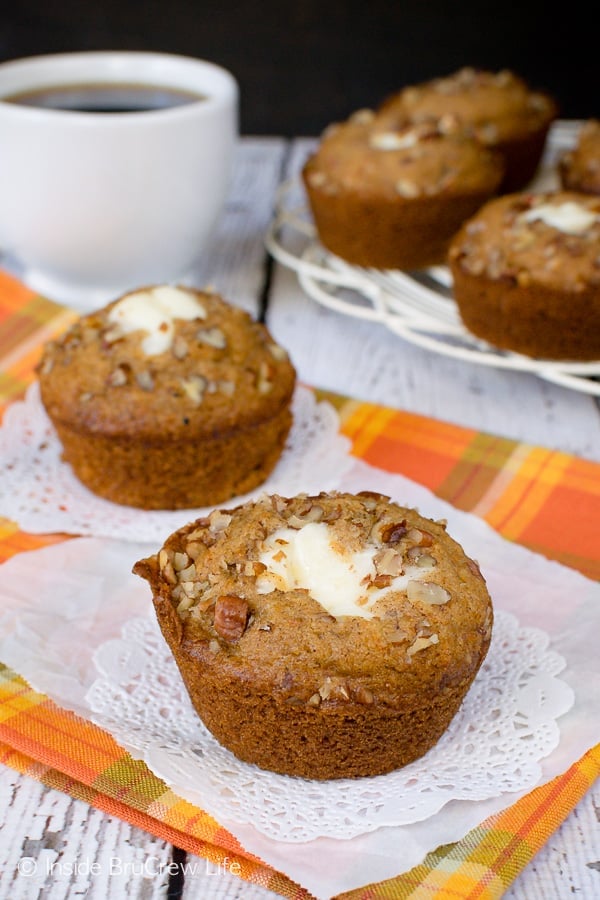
[{"x": 79, "y": 851}]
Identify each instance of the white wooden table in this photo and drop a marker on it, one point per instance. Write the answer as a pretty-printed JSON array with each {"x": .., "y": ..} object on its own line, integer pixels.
[{"x": 64, "y": 837}]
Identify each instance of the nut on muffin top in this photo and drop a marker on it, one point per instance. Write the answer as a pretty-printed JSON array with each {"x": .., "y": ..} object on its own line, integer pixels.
[{"x": 330, "y": 597}]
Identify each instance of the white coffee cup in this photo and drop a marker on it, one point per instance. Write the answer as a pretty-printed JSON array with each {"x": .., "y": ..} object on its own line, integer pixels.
[{"x": 93, "y": 204}]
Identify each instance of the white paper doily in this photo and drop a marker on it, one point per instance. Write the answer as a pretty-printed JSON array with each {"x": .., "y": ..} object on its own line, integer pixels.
[
  {"x": 505, "y": 726},
  {"x": 417, "y": 306},
  {"x": 40, "y": 493}
]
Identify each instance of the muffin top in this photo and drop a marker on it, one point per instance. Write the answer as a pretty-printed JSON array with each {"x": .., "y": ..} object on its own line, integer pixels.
[
  {"x": 405, "y": 159},
  {"x": 495, "y": 106},
  {"x": 331, "y": 598},
  {"x": 579, "y": 168},
  {"x": 551, "y": 238},
  {"x": 165, "y": 361}
]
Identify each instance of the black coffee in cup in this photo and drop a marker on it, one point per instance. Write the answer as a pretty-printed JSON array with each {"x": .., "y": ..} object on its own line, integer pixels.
[{"x": 104, "y": 97}]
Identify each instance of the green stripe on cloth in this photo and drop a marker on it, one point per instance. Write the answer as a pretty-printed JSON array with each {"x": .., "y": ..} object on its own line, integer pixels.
[
  {"x": 129, "y": 780},
  {"x": 476, "y": 471}
]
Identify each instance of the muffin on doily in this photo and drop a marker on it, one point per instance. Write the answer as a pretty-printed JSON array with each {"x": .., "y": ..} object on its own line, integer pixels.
[
  {"x": 391, "y": 198},
  {"x": 499, "y": 108},
  {"x": 579, "y": 168},
  {"x": 167, "y": 398},
  {"x": 526, "y": 274},
  {"x": 325, "y": 636}
]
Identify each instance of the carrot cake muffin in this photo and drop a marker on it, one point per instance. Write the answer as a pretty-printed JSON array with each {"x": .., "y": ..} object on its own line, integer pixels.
[
  {"x": 391, "y": 198},
  {"x": 499, "y": 108},
  {"x": 167, "y": 398},
  {"x": 526, "y": 273},
  {"x": 326, "y": 636},
  {"x": 579, "y": 168}
]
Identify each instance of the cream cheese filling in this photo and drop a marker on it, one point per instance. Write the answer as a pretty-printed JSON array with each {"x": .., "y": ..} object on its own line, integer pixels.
[
  {"x": 154, "y": 311},
  {"x": 338, "y": 579},
  {"x": 570, "y": 217}
]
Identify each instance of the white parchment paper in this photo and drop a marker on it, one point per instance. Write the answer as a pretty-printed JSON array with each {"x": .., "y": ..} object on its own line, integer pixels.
[{"x": 58, "y": 604}]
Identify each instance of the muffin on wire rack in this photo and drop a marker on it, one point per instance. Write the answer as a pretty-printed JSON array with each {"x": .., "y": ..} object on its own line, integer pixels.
[
  {"x": 392, "y": 197},
  {"x": 526, "y": 274},
  {"x": 327, "y": 636},
  {"x": 579, "y": 167},
  {"x": 499, "y": 108}
]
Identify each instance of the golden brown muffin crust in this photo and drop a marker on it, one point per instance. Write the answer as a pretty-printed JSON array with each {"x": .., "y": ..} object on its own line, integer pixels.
[
  {"x": 579, "y": 168},
  {"x": 169, "y": 398},
  {"x": 526, "y": 274},
  {"x": 509, "y": 239},
  {"x": 393, "y": 198},
  {"x": 499, "y": 109},
  {"x": 327, "y": 681},
  {"x": 496, "y": 106},
  {"x": 366, "y": 156},
  {"x": 220, "y": 371}
]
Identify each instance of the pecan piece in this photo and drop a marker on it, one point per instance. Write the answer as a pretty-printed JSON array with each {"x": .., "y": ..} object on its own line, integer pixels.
[
  {"x": 420, "y": 537},
  {"x": 363, "y": 695},
  {"x": 334, "y": 689},
  {"x": 370, "y": 499},
  {"x": 231, "y": 617},
  {"x": 427, "y": 592},
  {"x": 421, "y": 643},
  {"x": 393, "y": 532},
  {"x": 388, "y": 562}
]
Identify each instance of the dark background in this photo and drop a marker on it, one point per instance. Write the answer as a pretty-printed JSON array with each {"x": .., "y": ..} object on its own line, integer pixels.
[{"x": 301, "y": 65}]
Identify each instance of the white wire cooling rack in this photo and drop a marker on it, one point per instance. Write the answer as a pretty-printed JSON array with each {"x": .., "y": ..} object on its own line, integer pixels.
[{"x": 417, "y": 306}]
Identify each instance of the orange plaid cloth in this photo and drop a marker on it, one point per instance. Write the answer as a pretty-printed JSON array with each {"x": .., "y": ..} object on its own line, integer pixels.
[{"x": 546, "y": 500}]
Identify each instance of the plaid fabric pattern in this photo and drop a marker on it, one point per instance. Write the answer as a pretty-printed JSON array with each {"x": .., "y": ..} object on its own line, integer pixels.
[{"x": 545, "y": 500}]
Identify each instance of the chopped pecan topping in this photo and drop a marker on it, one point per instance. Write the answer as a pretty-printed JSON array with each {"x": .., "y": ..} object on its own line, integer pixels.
[
  {"x": 334, "y": 689},
  {"x": 427, "y": 592},
  {"x": 218, "y": 521},
  {"x": 371, "y": 498},
  {"x": 213, "y": 337},
  {"x": 253, "y": 568},
  {"x": 420, "y": 537},
  {"x": 166, "y": 567},
  {"x": 118, "y": 377},
  {"x": 180, "y": 347},
  {"x": 280, "y": 353},
  {"x": 388, "y": 562},
  {"x": 231, "y": 617},
  {"x": 278, "y": 503},
  {"x": 180, "y": 561},
  {"x": 421, "y": 643},
  {"x": 145, "y": 380},
  {"x": 194, "y": 388},
  {"x": 393, "y": 532},
  {"x": 363, "y": 695},
  {"x": 381, "y": 581},
  {"x": 265, "y": 377},
  {"x": 306, "y": 512},
  {"x": 194, "y": 549}
]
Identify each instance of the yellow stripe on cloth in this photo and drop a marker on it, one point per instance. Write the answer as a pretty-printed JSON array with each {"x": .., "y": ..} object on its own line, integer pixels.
[
  {"x": 546, "y": 500},
  {"x": 365, "y": 424},
  {"x": 540, "y": 471}
]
